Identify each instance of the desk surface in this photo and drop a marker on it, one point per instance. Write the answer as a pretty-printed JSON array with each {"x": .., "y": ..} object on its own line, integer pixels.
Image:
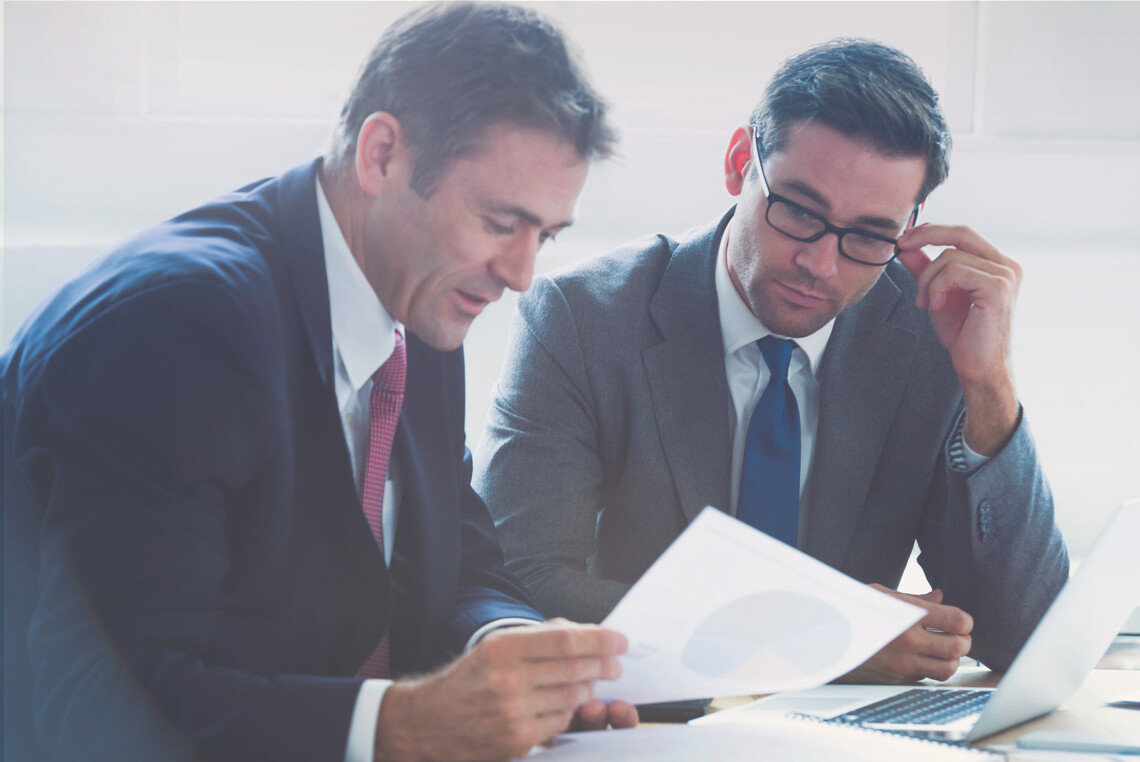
[
  {"x": 1085, "y": 712},
  {"x": 1117, "y": 674}
]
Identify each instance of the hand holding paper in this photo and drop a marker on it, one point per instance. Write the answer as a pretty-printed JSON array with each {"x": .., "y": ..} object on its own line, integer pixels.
[{"x": 728, "y": 611}]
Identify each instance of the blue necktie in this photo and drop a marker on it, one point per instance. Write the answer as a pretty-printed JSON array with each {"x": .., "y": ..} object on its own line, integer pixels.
[{"x": 770, "y": 479}]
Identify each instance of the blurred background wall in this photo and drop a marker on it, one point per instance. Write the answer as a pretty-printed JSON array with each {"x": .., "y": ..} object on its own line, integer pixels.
[{"x": 118, "y": 115}]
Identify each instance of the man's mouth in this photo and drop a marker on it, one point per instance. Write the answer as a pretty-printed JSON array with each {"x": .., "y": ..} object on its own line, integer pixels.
[
  {"x": 472, "y": 304},
  {"x": 798, "y": 296}
]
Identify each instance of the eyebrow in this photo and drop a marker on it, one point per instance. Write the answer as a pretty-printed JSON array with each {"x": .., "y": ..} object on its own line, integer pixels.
[
  {"x": 528, "y": 216},
  {"x": 871, "y": 221}
]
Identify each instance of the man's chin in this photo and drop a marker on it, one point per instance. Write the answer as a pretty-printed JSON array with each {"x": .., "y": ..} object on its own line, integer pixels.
[
  {"x": 444, "y": 337},
  {"x": 796, "y": 326}
]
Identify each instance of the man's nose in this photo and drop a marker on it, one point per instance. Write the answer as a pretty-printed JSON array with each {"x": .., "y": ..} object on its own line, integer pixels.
[
  {"x": 820, "y": 258},
  {"x": 515, "y": 264}
]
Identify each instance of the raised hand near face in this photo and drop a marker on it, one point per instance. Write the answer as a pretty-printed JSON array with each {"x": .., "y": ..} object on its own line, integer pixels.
[{"x": 970, "y": 290}]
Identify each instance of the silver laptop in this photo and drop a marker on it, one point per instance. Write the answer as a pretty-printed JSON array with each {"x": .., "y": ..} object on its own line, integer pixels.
[{"x": 1066, "y": 645}]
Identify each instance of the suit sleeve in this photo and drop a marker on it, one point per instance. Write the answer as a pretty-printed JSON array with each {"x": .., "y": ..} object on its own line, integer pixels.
[
  {"x": 538, "y": 464},
  {"x": 140, "y": 433},
  {"x": 992, "y": 545},
  {"x": 487, "y": 590},
  {"x": 483, "y": 590}
]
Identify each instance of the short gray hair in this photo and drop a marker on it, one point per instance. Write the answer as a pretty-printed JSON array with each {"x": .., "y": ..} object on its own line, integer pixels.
[{"x": 448, "y": 72}]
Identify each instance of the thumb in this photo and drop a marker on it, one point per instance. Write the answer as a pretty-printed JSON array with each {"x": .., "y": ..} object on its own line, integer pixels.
[{"x": 934, "y": 596}]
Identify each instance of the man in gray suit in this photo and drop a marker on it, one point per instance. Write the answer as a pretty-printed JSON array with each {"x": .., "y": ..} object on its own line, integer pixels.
[{"x": 627, "y": 399}]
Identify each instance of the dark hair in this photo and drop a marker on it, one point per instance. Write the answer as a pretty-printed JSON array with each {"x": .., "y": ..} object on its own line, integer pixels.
[
  {"x": 448, "y": 72},
  {"x": 864, "y": 90}
]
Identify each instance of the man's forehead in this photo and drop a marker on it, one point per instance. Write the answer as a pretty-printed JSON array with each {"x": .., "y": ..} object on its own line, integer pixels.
[
  {"x": 832, "y": 169},
  {"x": 529, "y": 173}
]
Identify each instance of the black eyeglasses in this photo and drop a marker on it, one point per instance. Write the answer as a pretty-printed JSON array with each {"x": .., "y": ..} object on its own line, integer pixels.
[{"x": 801, "y": 224}]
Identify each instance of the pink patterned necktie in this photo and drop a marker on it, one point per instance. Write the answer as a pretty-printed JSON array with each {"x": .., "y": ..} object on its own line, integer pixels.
[{"x": 383, "y": 415}]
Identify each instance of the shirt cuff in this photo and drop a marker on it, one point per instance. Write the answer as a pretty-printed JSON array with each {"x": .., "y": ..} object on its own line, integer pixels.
[
  {"x": 962, "y": 457},
  {"x": 362, "y": 729},
  {"x": 496, "y": 624}
]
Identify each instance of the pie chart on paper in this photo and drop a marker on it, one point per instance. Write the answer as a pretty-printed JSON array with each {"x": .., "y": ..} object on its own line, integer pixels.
[{"x": 777, "y": 634}]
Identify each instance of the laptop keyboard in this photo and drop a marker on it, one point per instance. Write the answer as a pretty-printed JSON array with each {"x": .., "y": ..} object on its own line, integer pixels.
[{"x": 940, "y": 706}]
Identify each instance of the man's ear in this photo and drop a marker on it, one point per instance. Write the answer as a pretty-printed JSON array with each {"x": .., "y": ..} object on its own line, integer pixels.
[
  {"x": 381, "y": 152},
  {"x": 737, "y": 160}
]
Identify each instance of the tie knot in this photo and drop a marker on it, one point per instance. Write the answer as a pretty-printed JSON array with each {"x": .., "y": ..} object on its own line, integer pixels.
[
  {"x": 778, "y": 354},
  {"x": 390, "y": 376}
]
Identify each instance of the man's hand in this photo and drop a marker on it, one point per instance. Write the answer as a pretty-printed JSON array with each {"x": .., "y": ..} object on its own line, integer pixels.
[
  {"x": 918, "y": 652},
  {"x": 518, "y": 687},
  {"x": 970, "y": 290},
  {"x": 595, "y": 715}
]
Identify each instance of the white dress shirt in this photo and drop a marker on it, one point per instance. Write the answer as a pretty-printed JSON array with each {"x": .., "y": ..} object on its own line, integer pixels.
[{"x": 364, "y": 337}]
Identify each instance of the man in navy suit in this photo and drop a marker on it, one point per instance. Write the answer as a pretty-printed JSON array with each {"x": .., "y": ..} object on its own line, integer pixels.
[{"x": 191, "y": 441}]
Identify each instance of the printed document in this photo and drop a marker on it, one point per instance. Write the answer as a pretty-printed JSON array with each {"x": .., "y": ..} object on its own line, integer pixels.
[{"x": 729, "y": 611}]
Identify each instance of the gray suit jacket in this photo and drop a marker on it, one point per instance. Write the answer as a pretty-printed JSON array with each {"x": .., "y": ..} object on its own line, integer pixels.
[{"x": 609, "y": 433}]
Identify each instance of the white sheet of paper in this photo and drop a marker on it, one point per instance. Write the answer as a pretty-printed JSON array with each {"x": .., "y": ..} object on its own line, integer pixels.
[
  {"x": 778, "y": 739},
  {"x": 728, "y": 611}
]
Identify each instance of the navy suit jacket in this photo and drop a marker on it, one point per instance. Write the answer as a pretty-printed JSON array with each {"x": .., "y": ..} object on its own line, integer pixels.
[{"x": 187, "y": 560}]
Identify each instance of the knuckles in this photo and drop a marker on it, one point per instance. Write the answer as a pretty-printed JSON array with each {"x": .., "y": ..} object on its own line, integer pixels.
[
  {"x": 505, "y": 683},
  {"x": 563, "y": 640},
  {"x": 520, "y": 740},
  {"x": 494, "y": 648},
  {"x": 943, "y": 671}
]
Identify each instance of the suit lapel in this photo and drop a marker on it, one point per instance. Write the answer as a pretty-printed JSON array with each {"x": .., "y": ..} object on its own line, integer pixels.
[
  {"x": 686, "y": 375},
  {"x": 336, "y": 497},
  {"x": 862, "y": 380},
  {"x": 304, "y": 251}
]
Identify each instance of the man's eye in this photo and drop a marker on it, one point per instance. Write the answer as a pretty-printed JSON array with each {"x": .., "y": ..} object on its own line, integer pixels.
[
  {"x": 797, "y": 212},
  {"x": 543, "y": 237},
  {"x": 497, "y": 228}
]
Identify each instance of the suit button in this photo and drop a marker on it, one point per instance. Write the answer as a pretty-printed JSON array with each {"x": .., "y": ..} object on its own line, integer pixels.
[{"x": 985, "y": 520}]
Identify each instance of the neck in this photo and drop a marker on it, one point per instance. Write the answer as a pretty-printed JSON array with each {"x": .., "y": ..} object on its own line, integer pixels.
[{"x": 347, "y": 204}]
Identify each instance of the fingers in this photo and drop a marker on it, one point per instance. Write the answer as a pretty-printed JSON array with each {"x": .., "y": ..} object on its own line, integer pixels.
[
  {"x": 931, "y": 648},
  {"x": 939, "y": 616},
  {"x": 556, "y": 640},
  {"x": 549, "y": 672},
  {"x": 914, "y": 260},
  {"x": 622, "y": 715},
  {"x": 985, "y": 281},
  {"x": 955, "y": 236},
  {"x": 552, "y": 667},
  {"x": 936, "y": 645},
  {"x": 558, "y": 699},
  {"x": 970, "y": 263},
  {"x": 949, "y": 619},
  {"x": 592, "y": 715},
  {"x": 935, "y": 669},
  {"x": 917, "y": 654},
  {"x": 516, "y": 688},
  {"x": 595, "y": 715}
]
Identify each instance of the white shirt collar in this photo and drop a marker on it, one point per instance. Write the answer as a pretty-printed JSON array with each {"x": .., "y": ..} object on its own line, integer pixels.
[
  {"x": 739, "y": 327},
  {"x": 363, "y": 331}
]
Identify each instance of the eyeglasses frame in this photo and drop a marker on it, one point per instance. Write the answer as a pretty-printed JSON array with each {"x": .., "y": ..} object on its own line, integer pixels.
[{"x": 827, "y": 226}]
